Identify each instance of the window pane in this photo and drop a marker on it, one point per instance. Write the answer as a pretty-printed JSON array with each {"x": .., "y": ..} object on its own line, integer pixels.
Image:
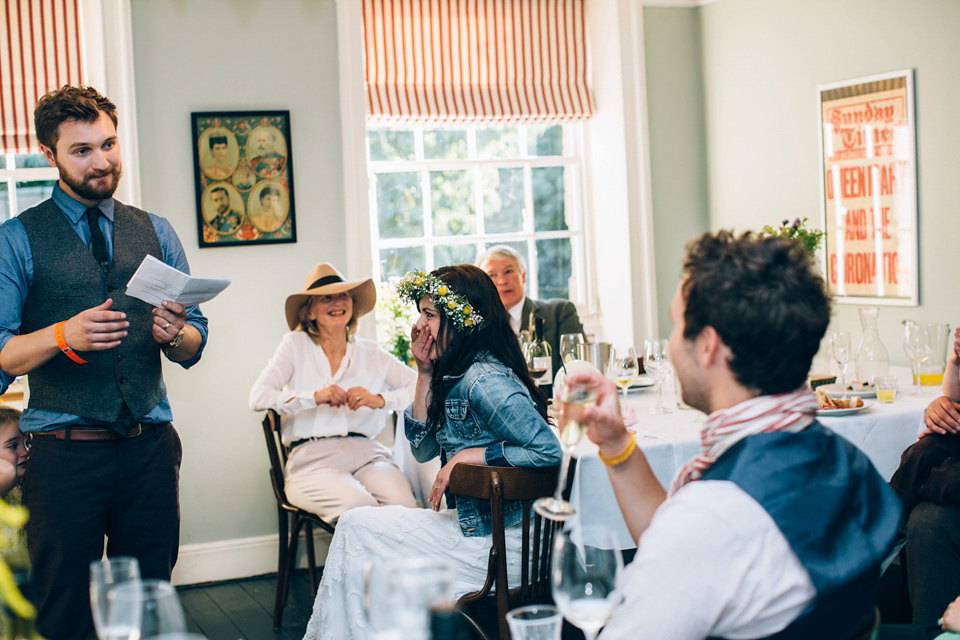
[
  {"x": 451, "y": 197},
  {"x": 3, "y": 160},
  {"x": 543, "y": 140},
  {"x": 390, "y": 144},
  {"x": 444, "y": 144},
  {"x": 520, "y": 246},
  {"x": 397, "y": 262},
  {"x": 399, "y": 205},
  {"x": 554, "y": 268},
  {"x": 4, "y": 202},
  {"x": 33, "y": 193},
  {"x": 498, "y": 142},
  {"x": 446, "y": 254},
  {"x": 502, "y": 200},
  {"x": 548, "y": 200},
  {"x": 30, "y": 161}
]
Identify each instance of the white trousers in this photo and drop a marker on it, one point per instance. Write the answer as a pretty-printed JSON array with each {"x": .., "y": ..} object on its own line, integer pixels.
[
  {"x": 364, "y": 535},
  {"x": 328, "y": 476}
]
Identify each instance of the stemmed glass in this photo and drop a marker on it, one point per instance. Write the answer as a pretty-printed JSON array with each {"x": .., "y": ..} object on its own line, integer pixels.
[
  {"x": 104, "y": 576},
  {"x": 584, "y": 577},
  {"x": 840, "y": 344},
  {"x": 151, "y": 608},
  {"x": 573, "y": 397},
  {"x": 623, "y": 368},
  {"x": 656, "y": 361},
  {"x": 568, "y": 346},
  {"x": 917, "y": 348},
  {"x": 399, "y": 592}
]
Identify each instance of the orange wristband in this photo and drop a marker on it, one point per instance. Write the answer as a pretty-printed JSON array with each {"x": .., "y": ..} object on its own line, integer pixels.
[{"x": 62, "y": 343}]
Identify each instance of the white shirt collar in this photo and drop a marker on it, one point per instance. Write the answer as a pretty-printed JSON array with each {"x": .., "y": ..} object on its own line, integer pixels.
[{"x": 515, "y": 312}]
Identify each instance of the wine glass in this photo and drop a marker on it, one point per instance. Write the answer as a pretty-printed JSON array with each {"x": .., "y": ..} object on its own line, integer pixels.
[
  {"x": 152, "y": 605},
  {"x": 399, "y": 593},
  {"x": 840, "y": 344},
  {"x": 573, "y": 397},
  {"x": 623, "y": 368},
  {"x": 586, "y": 563},
  {"x": 656, "y": 361},
  {"x": 917, "y": 347},
  {"x": 104, "y": 575},
  {"x": 568, "y": 346},
  {"x": 535, "y": 622}
]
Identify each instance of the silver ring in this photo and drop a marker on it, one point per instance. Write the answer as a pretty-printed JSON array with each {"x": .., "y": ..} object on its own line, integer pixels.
[
  {"x": 358, "y": 398},
  {"x": 168, "y": 325}
]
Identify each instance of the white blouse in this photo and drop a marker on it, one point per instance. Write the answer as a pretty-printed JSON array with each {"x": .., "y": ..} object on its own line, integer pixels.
[{"x": 299, "y": 367}]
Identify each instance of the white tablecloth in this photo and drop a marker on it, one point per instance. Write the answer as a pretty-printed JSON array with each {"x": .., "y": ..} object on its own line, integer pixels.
[{"x": 882, "y": 431}]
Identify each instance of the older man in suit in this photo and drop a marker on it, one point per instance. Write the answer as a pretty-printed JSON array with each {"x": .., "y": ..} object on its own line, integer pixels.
[{"x": 508, "y": 270}]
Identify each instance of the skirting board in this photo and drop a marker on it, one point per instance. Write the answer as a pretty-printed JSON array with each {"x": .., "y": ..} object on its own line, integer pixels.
[{"x": 233, "y": 559}]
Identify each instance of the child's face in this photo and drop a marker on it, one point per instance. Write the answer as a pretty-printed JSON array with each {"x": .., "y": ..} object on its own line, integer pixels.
[{"x": 13, "y": 447}]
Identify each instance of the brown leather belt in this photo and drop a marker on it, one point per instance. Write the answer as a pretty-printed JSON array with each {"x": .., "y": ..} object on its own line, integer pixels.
[{"x": 93, "y": 434}]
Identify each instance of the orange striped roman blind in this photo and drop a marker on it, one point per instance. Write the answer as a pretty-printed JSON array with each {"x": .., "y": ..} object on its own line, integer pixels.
[
  {"x": 454, "y": 62},
  {"x": 39, "y": 51}
]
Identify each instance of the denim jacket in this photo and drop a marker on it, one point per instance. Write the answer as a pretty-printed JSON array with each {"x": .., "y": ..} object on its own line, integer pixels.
[{"x": 489, "y": 407}]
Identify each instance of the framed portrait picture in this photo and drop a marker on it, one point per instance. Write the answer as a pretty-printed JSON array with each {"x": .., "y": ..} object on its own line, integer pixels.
[
  {"x": 868, "y": 178},
  {"x": 243, "y": 172}
]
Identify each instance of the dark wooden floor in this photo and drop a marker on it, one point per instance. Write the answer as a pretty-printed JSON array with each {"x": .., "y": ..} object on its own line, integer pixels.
[{"x": 243, "y": 609}]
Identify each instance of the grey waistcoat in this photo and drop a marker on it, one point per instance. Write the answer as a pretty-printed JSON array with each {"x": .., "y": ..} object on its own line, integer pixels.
[{"x": 67, "y": 280}]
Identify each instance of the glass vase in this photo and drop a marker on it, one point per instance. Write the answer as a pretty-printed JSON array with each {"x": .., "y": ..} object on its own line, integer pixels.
[{"x": 872, "y": 358}]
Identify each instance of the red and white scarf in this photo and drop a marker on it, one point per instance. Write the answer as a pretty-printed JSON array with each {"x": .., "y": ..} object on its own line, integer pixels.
[{"x": 791, "y": 412}]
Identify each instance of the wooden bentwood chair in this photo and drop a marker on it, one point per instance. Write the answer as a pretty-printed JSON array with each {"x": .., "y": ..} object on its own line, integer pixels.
[
  {"x": 291, "y": 520},
  {"x": 497, "y": 485}
]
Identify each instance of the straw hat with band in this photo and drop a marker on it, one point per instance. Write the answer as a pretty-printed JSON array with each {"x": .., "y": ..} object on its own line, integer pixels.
[{"x": 325, "y": 280}]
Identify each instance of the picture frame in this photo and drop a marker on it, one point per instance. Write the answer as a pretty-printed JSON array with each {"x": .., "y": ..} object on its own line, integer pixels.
[
  {"x": 243, "y": 173},
  {"x": 868, "y": 189}
]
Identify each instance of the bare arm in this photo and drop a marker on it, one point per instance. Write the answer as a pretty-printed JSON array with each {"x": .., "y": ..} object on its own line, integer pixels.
[
  {"x": 638, "y": 491},
  {"x": 168, "y": 321},
  {"x": 420, "y": 343},
  {"x": 94, "y": 329},
  {"x": 951, "y": 377}
]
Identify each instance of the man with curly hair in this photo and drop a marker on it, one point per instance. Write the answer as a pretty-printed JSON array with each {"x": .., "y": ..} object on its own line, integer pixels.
[{"x": 777, "y": 528}]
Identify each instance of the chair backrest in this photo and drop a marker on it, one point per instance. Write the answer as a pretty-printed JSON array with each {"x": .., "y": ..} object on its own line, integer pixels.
[
  {"x": 498, "y": 485},
  {"x": 278, "y": 457}
]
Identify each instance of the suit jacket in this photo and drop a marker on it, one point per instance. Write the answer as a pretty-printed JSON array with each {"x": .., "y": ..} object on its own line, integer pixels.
[{"x": 559, "y": 317}]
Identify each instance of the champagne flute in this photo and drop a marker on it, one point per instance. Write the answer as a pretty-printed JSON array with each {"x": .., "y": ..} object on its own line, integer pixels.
[
  {"x": 917, "y": 348},
  {"x": 656, "y": 361},
  {"x": 568, "y": 346},
  {"x": 584, "y": 577},
  {"x": 152, "y": 604},
  {"x": 623, "y": 368},
  {"x": 840, "y": 343},
  {"x": 573, "y": 397},
  {"x": 104, "y": 575}
]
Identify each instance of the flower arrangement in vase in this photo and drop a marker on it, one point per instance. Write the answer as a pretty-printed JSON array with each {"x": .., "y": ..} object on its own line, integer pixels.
[{"x": 798, "y": 230}]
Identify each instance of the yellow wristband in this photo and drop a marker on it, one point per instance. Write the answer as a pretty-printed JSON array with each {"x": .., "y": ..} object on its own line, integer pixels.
[{"x": 621, "y": 457}]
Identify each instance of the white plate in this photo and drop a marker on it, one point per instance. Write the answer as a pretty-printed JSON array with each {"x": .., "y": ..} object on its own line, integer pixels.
[
  {"x": 836, "y": 391},
  {"x": 843, "y": 412},
  {"x": 642, "y": 382}
]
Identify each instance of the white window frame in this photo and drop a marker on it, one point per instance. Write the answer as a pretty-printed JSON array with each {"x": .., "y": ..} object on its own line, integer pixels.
[
  {"x": 573, "y": 204},
  {"x": 11, "y": 175}
]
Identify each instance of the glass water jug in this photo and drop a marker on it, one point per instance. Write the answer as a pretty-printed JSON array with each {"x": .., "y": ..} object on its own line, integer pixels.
[{"x": 872, "y": 358}]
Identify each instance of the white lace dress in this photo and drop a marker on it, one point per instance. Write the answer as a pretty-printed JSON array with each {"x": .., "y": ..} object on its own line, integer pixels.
[{"x": 367, "y": 533}]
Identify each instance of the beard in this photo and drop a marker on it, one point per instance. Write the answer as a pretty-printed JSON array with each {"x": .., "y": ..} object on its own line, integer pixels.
[{"x": 84, "y": 187}]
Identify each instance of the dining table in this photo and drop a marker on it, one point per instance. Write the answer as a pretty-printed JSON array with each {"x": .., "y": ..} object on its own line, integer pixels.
[{"x": 881, "y": 430}]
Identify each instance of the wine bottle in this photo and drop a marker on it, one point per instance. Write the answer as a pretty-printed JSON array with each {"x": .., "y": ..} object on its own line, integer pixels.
[{"x": 540, "y": 360}]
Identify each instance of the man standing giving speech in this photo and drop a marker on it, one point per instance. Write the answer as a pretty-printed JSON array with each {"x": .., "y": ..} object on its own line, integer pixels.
[
  {"x": 104, "y": 459},
  {"x": 777, "y": 527}
]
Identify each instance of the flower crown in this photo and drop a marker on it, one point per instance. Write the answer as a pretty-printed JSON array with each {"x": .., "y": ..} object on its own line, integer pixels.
[{"x": 456, "y": 307}]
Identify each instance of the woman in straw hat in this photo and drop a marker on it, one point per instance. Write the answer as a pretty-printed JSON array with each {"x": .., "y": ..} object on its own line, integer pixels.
[
  {"x": 475, "y": 403},
  {"x": 334, "y": 391}
]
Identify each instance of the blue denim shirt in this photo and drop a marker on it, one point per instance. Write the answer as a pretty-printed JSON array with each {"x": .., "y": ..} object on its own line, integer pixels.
[{"x": 487, "y": 407}]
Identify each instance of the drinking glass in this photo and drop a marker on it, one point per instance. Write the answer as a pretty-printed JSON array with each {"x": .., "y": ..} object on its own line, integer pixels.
[
  {"x": 623, "y": 368},
  {"x": 840, "y": 344},
  {"x": 917, "y": 347},
  {"x": 656, "y": 361},
  {"x": 152, "y": 604},
  {"x": 568, "y": 346},
  {"x": 573, "y": 398},
  {"x": 586, "y": 563},
  {"x": 104, "y": 575},
  {"x": 535, "y": 622},
  {"x": 399, "y": 592}
]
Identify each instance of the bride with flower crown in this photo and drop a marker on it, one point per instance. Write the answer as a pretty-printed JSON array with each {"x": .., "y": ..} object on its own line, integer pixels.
[{"x": 476, "y": 403}]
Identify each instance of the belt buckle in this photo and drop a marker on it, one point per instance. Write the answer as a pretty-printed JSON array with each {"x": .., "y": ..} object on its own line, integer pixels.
[{"x": 134, "y": 431}]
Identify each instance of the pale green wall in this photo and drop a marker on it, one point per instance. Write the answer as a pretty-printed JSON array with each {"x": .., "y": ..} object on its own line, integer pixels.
[
  {"x": 678, "y": 168},
  {"x": 201, "y": 55},
  {"x": 762, "y": 61}
]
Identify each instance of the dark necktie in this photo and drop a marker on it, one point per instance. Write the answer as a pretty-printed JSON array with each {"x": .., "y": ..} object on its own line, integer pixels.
[{"x": 97, "y": 244}]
